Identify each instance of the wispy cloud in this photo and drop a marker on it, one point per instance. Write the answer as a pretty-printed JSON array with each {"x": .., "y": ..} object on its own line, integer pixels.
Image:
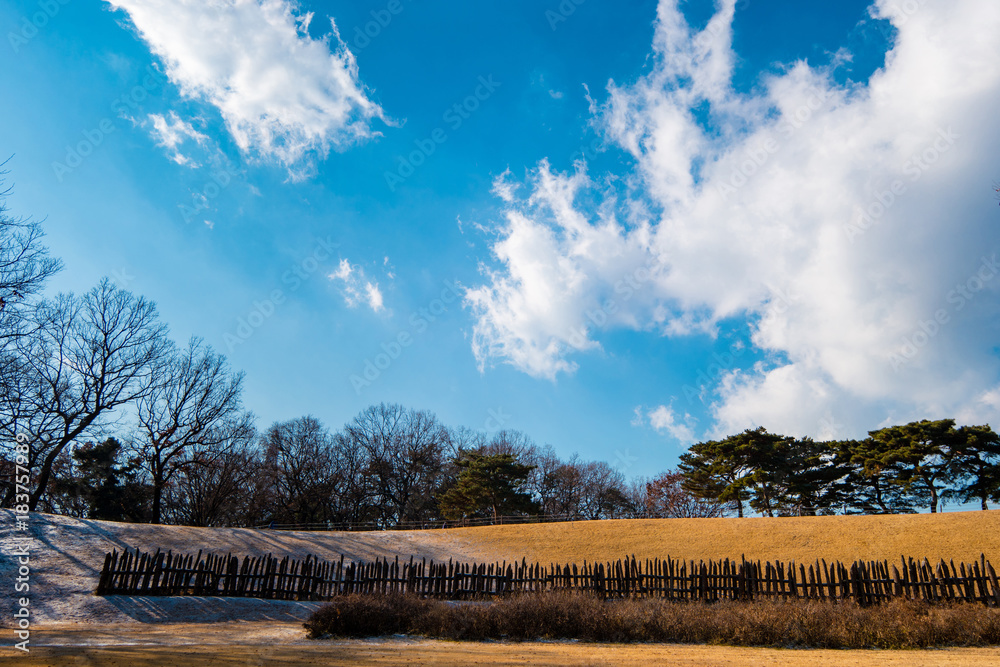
[
  {"x": 171, "y": 133},
  {"x": 284, "y": 96},
  {"x": 356, "y": 288}
]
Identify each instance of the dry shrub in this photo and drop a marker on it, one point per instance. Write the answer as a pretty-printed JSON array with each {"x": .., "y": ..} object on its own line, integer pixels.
[
  {"x": 368, "y": 615},
  {"x": 793, "y": 623}
]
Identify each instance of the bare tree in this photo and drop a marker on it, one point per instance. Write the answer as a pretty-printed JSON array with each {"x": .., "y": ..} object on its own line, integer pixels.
[
  {"x": 218, "y": 488},
  {"x": 604, "y": 494},
  {"x": 464, "y": 439},
  {"x": 188, "y": 412},
  {"x": 664, "y": 497},
  {"x": 302, "y": 471},
  {"x": 510, "y": 441},
  {"x": 79, "y": 359},
  {"x": 546, "y": 463},
  {"x": 563, "y": 489},
  {"x": 25, "y": 264},
  {"x": 353, "y": 499},
  {"x": 404, "y": 451}
]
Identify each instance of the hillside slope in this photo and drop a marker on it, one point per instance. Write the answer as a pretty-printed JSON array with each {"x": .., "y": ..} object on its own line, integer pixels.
[
  {"x": 957, "y": 535},
  {"x": 67, "y": 554}
]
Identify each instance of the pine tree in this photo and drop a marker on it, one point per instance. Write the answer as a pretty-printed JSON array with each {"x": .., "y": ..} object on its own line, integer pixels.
[
  {"x": 976, "y": 461},
  {"x": 487, "y": 484}
]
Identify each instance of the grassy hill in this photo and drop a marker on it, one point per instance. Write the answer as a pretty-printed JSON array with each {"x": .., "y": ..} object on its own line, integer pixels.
[
  {"x": 957, "y": 535},
  {"x": 68, "y": 553}
]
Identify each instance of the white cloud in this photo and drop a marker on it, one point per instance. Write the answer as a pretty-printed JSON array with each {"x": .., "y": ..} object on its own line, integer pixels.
[
  {"x": 664, "y": 419},
  {"x": 562, "y": 277},
  {"x": 283, "y": 95},
  {"x": 356, "y": 288},
  {"x": 172, "y": 133},
  {"x": 374, "y": 296},
  {"x": 759, "y": 218}
]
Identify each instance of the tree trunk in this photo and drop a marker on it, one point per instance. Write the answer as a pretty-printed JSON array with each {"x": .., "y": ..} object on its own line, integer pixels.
[
  {"x": 154, "y": 517},
  {"x": 767, "y": 500},
  {"x": 878, "y": 497},
  {"x": 934, "y": 499},
  {"x": 43, "y": 477}
]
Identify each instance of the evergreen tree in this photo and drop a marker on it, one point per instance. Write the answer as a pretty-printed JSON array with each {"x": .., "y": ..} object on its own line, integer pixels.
[
  {"x": 811, "y": 478},
  {"x": 713, "y": 471},
  {"x": 870, "y": 486},
  {"x": 487, "y": 484},
  {"x": 919, "y": 455},
  {"x": 976, "y": 462},
  {"x": 103, "y": 487}
]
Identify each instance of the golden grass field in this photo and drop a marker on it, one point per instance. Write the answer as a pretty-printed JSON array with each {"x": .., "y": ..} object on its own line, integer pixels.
[
  {"x": 174, "y": 631},
  {"x": 956, "y": 535},
  {"x": 207, "y": 645}
]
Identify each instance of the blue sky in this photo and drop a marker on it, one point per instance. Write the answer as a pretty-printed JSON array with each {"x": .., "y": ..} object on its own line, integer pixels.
[{"x": 618, "y": 227}]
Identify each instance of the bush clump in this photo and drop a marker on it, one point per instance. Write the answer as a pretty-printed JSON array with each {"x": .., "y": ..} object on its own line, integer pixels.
[
  {"x": 785, "y": 623},
  {"x": 368, "y": 615}
]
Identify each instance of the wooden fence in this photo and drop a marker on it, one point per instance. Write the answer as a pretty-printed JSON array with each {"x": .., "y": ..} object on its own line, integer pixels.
[
  {"x": 502, "y": 520},
  {"x": 312, "y": 579}
]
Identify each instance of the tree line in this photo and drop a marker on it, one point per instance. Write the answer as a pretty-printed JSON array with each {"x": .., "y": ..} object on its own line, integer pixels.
[
  {"x": 388, "y": 466},
  {"x": 895, "y": 469},
  {"x": 125, "y": 424}
]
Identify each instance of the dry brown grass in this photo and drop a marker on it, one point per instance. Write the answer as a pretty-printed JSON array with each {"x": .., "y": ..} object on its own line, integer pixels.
[
  {"x": 961, "y": 536},
  {"x": 899, "y": 624},
  {"x": 394, "y": 652},
  {"x": 268, "y": 643},
  {"x": 74, "y": 551}
]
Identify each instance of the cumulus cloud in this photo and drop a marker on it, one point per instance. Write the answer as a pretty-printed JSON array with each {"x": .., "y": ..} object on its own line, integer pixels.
[
  {"x": 851, "y": 228},
  {"x": 664, "y": 419},
  {"x": 355, "y": 286},
  {"x": 172, "y": 132},
  {"x": 283, "y": 95},
  {"x": 562, "y": 276}
]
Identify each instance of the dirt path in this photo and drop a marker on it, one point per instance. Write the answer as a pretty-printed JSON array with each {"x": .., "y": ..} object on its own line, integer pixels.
[{"x": 256, "y": 643}]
